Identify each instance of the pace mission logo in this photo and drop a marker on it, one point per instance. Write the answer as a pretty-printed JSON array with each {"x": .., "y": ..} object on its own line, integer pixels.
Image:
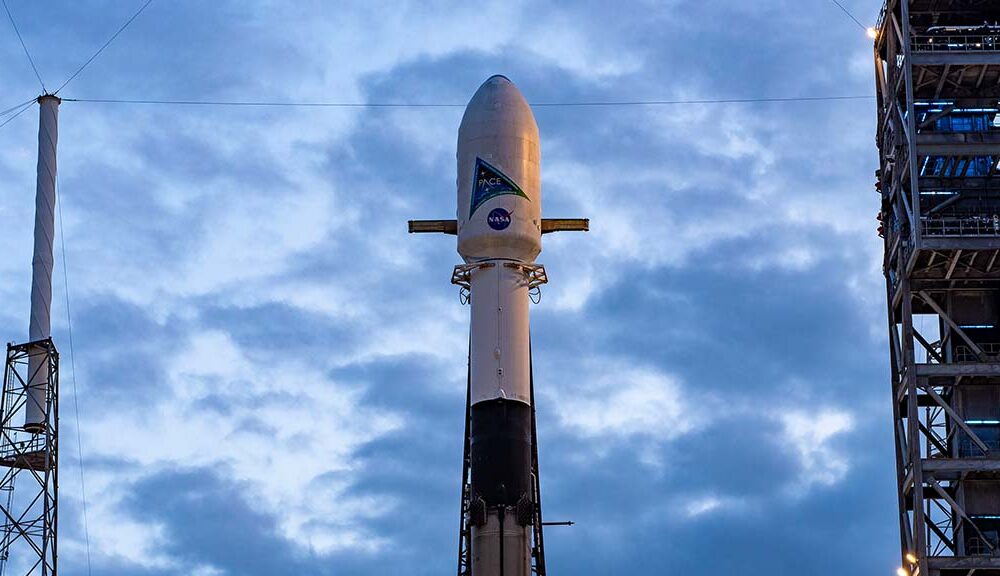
[{"x": 489, "y": 182}]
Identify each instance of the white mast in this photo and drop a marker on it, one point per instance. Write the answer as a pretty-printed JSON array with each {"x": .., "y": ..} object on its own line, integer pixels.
[{"x": 40, "y": 326}]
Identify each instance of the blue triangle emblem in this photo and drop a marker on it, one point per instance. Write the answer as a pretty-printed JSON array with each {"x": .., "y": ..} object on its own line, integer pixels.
[{"x": 489, "y": 182}]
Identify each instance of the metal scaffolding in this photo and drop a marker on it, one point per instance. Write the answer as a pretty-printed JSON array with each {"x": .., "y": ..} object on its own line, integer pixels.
[
  {"x": 937, "y": 73},
  {"x": 29, "y": 460}
]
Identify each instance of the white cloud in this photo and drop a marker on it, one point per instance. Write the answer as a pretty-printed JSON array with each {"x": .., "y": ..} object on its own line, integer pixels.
[
  {"x": 702, "y": 506},
  {"x": 278, "y": 426},
  {"x": 114, "y": 533},
  {"x": 562, "y": 42},
  {"x": 811, "y": 436},
  {"x": 696, "y": 507},
  {"x": 626, "y": 402},
  {"x": 788, "y": 258},
  {"x": 206, "y": 570}
]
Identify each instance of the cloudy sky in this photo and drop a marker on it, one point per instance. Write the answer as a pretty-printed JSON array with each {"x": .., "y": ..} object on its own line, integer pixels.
[{"x": 271, "y": 372}]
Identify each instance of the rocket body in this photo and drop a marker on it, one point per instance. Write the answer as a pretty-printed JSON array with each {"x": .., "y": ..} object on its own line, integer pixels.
[{"x": 499, "y": 232}]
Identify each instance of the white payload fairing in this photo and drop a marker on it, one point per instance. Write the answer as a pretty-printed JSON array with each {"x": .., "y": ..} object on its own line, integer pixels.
[{"x": 499, "y": 226}]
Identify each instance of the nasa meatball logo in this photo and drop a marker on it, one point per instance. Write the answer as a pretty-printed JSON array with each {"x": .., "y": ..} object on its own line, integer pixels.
[{"x": 498, "y": 219}]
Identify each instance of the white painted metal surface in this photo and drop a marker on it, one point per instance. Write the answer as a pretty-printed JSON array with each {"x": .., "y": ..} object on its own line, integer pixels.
[
  {"x": 499, "y": 221},
  {"x": 499, "y": 356},
  {"x": 41, "y": 263},
  {"x": 499, "y": 134}
]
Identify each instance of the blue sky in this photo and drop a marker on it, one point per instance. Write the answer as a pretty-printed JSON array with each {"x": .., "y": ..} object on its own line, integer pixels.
[{"x": 271, "y": 371}]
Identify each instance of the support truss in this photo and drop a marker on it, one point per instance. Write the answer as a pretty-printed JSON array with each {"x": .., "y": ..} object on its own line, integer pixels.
[{"x": 28, "y": 463}]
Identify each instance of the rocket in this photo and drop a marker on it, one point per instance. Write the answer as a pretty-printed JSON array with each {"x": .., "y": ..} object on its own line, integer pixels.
[
  {"x": 499, "y": 231},
  {"x": 499, "y": 228}
]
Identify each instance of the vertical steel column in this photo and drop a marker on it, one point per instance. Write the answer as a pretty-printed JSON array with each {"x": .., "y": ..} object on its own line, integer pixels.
[{"x": 911, "y": 125}]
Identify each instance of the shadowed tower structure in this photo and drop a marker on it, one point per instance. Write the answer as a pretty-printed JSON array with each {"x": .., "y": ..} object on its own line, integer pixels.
[{"x": 937, "y": 68}]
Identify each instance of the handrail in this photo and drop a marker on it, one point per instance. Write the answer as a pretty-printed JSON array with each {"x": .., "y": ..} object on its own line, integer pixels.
[
  {"x": 955, "y": 43},
  {"x": 977, "y": 225}
]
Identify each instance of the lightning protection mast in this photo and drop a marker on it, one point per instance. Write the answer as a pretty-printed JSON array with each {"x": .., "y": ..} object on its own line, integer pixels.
[{"x": 29, "y": 402}]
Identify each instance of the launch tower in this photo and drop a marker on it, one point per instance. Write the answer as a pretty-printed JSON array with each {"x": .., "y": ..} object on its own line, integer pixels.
[{"x": 937, "y": 70}]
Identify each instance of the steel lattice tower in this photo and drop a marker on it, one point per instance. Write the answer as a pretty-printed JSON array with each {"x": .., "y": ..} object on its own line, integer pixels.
[
  {"x": 937, "y": 69},
  {"x": 28, "y": 461}
]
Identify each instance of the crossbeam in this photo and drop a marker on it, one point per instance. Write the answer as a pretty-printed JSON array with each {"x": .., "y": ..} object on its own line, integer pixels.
[
  {"x": 433, "y": 226},
  {"x": 565, "y": 225},
  {"x": 451, "y": 226}
]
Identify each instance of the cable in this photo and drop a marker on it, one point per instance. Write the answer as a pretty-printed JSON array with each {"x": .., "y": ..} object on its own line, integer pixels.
[
  {"x": 15, "y": 107},
  {"x": 101, "y": 49},
  {"x": 705, "y": 101},
  {"x": 292, "y": 104},
  {"x": 19, "y": 112},
  {"x": 269, "y": 104},
  {"x": 72, "y": 363},
  {"x": 849, "y": 15},
  {"x": 26, "y": 53}
]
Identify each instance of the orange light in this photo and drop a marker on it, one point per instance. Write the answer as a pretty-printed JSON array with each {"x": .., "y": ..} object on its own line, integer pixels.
[{"x": 872, "y": 32}]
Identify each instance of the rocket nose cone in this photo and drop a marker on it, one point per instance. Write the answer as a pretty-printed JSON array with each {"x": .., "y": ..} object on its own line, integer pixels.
[
  {"x": 495, "y": 90},
  {"x": 497, "y": 97}
]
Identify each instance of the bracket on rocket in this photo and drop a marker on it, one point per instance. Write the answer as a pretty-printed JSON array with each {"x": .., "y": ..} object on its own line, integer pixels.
[
  {"x": 535, "y": 273},
  {"x": 461, "y": 276}
]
